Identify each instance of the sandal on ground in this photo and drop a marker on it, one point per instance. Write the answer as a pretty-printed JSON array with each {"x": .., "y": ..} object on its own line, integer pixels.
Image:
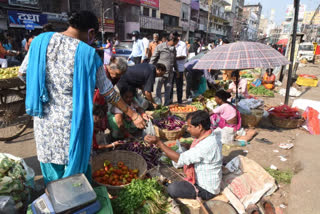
[
  {"x": 253, "y": 209},
  {"x": 267, "y": 206}
]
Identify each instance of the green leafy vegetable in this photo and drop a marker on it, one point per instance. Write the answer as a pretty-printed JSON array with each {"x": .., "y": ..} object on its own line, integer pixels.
[
  {"x": 261, "y": 90},
  {"x": 281, "y": 176},
  {"x": 141, "y": 196}
]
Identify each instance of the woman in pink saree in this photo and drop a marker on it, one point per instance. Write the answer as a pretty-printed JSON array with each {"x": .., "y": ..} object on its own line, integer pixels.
[{"x": 226, "y": 114}]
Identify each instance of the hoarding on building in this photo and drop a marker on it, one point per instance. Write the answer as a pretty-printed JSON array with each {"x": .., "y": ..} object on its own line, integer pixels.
[
  {"x": 29, "y": 20},
  {"x": 150, "y": 3},
  {"x": 290, "y": 11}
]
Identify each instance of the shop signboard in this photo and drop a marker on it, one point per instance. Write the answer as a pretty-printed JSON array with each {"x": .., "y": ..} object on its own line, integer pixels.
[
  {"x": 150, "y": 3},
  {"x": 109, "y": 25},
  {"x": 22, "y": 19},
  {"x": 24, "y": 3}
]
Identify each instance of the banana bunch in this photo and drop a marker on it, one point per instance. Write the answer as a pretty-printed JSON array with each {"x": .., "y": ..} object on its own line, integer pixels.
[{"x": 7, "y": 73}]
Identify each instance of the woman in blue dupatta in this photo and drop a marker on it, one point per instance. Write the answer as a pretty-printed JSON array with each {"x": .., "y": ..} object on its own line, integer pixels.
[{"x": 61, "y": 72}]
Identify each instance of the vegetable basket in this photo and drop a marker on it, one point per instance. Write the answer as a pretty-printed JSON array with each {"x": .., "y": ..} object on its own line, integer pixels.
[
  {"x": 130, "y": 159},
  {"x": 169, "y": 135},
  {"x": 183, "y": 115},
  {"x": 286, "y": 123},
  {"x": 252, "y": 120}
]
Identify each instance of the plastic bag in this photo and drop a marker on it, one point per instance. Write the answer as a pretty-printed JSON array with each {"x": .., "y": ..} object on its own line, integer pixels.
[
  {"x": 149, "y": 130},
  {"x": 141, "y": 101},
  {"x": 7, "y": 205},
  {"x": 227, "y": 135},
  {"x": 180, "y": 150}
]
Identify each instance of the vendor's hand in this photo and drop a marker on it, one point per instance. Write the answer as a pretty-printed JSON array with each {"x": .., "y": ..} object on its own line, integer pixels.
[
  {"x": 155, "y": 106},
  {"x": 146, "y": 116},
  {"x": 151, "y": 139},
  {"x": 117, "y": 143},
  {"x": 138, "y": 121}
]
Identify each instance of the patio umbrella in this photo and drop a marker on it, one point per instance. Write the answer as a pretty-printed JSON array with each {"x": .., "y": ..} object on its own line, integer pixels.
[
  {"x": 282, "y": 42},
  {"x": 241, "y": 55}
]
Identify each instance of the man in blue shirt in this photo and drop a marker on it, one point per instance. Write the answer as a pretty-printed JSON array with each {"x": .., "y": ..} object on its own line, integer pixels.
[{"x": 138, "y": 51}]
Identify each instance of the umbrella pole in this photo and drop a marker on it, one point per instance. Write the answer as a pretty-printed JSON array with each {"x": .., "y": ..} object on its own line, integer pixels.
[{"x": 237, "y": 85}]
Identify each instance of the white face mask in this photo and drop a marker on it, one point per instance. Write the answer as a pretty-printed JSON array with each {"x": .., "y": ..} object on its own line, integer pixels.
[{"x": 133, "y": 38}]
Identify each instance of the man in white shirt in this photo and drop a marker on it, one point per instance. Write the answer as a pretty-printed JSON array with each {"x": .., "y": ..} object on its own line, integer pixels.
[{"x": 181, "y": 48}]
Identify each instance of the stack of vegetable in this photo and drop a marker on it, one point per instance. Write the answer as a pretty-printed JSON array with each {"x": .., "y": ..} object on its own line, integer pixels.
[
  {"x": 150, "y": 153},
  {"x": 262, "y": 91},
  {"x": 198, "y": 105},
  {"x": 170, "y": 123},
  {"x": 160, "y": 111},
  {"x": 209, "y": 93},
  {"x": 285, "y": 112},
  {"x": 141, "y": 197},
  {"x": 115, "y": 175},
  {"x": 182, "y": 109},
  {"x": 7, "y": 73},
  {"x": 12, "y": 178}
]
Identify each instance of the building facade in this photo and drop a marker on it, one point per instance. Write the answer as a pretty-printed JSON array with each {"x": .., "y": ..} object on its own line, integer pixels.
[{"x": 252, "y": 16}]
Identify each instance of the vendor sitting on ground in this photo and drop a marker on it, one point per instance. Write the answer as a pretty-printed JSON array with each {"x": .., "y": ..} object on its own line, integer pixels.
[
  {"x": 242, "y": 86},
  {"x": 226, "y": 114},
  {"x": 122, "y": 126},
  {"x": 142, "y": 76},
  {"x": 269, "y": 79},
  {"x": 202, "y": 162},
  {"x": 100, "y": 125}
]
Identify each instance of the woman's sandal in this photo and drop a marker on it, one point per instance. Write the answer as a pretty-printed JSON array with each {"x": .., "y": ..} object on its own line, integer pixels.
[
  {"x": 253, "y": 209},
  {"x": 267, "y": 206}
]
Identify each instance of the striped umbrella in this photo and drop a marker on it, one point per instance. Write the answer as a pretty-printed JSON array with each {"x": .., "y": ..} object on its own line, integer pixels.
[{"x": 241, "y": 55}]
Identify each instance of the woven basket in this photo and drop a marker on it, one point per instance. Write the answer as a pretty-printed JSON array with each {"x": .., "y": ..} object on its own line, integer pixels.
[
  {"x": 11, "y": 83},
  {"x": 169, "y": 135},
  {"x": 252, "y": 120},
  {"x": 286, "y": 123},
  {"x": 162, "y": 115},
  {"x": 130, "y": 159}
]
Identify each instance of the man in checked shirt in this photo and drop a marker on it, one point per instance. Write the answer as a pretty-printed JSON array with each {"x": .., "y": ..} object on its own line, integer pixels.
[{"x": 202, "y": 162}]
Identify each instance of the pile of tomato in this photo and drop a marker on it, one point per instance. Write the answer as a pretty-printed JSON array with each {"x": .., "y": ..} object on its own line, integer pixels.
[
  {"x": 187, "y": 108},
  {"x": 115, "y": 175}
]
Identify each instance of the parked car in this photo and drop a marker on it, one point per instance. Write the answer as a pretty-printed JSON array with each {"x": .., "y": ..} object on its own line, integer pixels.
[{"x": 124, "y": 49}]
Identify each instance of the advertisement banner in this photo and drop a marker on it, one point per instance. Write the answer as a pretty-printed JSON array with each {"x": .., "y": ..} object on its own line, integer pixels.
[
  {"x": 135, "y": 2},
  {"x": 26, "y": 19},
  {"x": 150, "y": 3}
]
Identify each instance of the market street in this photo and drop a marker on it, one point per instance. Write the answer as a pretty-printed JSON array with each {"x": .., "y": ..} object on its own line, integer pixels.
[{"x": 262, "y": 153}]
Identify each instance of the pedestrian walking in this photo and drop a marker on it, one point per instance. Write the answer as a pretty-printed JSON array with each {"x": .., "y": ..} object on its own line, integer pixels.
[
  {"x": 146, "y": 42},
  {"x": 165, "y": 53},
  {"x": 107, "y": 49},
  {"x": 195, "y": 48},
  {"x": 178, "y": 75},
  {"x": 138, "y": 52}
]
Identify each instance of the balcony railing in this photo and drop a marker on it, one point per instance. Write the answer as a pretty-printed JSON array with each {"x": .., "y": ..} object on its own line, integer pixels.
[
  {"x": 151, "y": 23},
  {"x": 217, "y": 31}
]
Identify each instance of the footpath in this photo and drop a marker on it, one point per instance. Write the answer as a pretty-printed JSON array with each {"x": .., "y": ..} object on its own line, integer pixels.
[{"x": 305, "y": 185}]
